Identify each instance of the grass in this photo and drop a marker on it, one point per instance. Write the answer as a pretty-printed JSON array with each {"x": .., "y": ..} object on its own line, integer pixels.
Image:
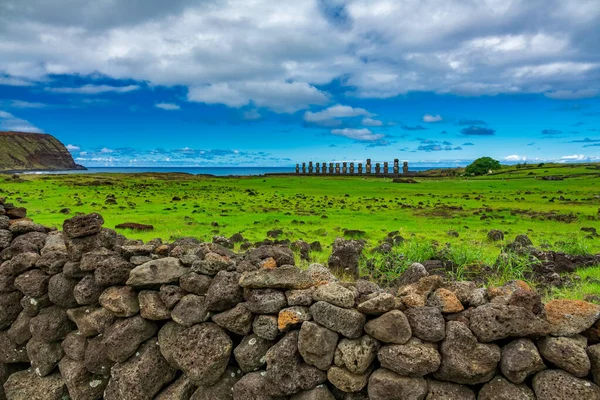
[{"x": 450, "y": 216}]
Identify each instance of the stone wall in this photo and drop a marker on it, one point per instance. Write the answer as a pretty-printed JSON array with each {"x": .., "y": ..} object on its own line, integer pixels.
[{"x": 87, "y": 314}]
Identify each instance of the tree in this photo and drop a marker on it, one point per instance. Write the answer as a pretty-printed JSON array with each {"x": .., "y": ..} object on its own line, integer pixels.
[{"x": 482, "y": 166}]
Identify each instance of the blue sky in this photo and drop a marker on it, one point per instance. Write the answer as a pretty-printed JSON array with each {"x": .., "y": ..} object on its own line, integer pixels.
[{"x": 272, "y": 83}]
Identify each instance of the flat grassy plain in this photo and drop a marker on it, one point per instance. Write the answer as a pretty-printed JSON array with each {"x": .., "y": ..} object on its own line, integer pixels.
[{"x": 436, "y": 213}]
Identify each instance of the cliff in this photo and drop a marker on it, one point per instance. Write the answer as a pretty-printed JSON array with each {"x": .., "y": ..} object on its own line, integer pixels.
[{"x": 23, "y": 151}]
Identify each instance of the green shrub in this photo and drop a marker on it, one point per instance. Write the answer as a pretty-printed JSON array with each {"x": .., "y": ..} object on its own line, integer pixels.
[{"x": 482, "y": 166}]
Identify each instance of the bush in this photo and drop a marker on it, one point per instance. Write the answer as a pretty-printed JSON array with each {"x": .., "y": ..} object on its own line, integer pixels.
[{"x": 482, "y": 166}]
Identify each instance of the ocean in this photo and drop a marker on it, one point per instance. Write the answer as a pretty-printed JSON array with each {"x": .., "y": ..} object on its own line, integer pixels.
[{"x": 217, "y": 171}]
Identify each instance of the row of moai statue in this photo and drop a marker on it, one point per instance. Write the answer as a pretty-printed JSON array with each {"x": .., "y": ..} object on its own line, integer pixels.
[{"x": 334, "y": 168}]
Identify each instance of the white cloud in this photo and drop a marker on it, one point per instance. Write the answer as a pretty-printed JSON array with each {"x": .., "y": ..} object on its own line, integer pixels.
[
  {"x": 9, "y": 122},
  {"x": 94, "y": 89},
  {"x": 515, "y": 157},
  {"x": 26, "y": 104},
  {"x": 432, "y": 118},
  {"x": 275, "y": 54},
  {"x": 106, "y": 150},
  {"x": 361, "y": 135},
  {"x": 167, "y": 106},
  {"x": 572, "y": 94},
  {"x": 72, "y": 147},
  {"x": 574, "y": 157},
  {"x": 371, "y": 122}
]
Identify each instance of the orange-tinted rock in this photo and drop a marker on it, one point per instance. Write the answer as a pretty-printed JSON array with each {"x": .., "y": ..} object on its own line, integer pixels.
[{"x": 570, "y": 317}]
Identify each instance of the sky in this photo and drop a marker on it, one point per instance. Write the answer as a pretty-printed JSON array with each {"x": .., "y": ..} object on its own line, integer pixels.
[{"x": 274, "y": 83}]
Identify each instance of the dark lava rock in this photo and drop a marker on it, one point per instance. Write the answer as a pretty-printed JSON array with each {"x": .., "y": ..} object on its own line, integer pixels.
[
  {"x": 387, "y": 385},
  {"x": 135, "y": 226},
  {"x": 555, "y": 384},
  {"x": 25, "y": 385},
  {"x": 347, "y": 322},
  {"x": 83, "y": 225},
  {"x": 344, "y": 257}
]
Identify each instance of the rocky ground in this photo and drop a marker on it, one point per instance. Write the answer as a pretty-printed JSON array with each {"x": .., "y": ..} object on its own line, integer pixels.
[{"x": 86, "y": 313}]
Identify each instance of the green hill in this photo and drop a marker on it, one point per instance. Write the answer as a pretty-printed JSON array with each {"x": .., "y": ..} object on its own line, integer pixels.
[{"x": 24, "y": 151}]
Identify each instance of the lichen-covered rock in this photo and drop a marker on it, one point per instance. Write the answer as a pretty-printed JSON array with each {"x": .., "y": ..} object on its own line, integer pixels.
[
  {"x": 141, "y": 376},
  {"x": 317, "y": 345},
  {"x": 285, "y": 277},
  {"x": 411, "y": 359},
  {"x": 377, "y": 304},
  {"x": 44, "y": 356},
  {"x": 265, "y": 301},
  {"x": 152, "y": 307},
  {"x": 356, "y": 355},
  {"x": 202, "y": 352},
  {"x": 26, "y": 385},
  {"x": 501, "y": 389},
  {"x": 391, "y": 327},
  {"x": 438, "y": 390},
  {"x": 122, "y": 339},
  {"x": 292, "y": 318},
  {"x": 51, "y": 324},
  {"x": 223, "y": 389},
  {"x": 520, "y": 359},
  {"x": 464, "y": 360},
  {"x": 91, "y": 321},
  {"x": 492, "y": 322},
  {"x": 570, "y": 317},
  {"x": 265, "y": 326},
  {"x": 157, "y": 272},
  {"x": 250, "y": 354},
  {"x": 224, "y": 292},
  {"x": 387, "y": 385},
  {"x": 335, "y": 294},
  {"x": 122, "y": 301},
  {"x": 554, "y": 384},
  {"x": 347, "y": 322},
  {"x": 347, "y": 381},
  {"x": 286, "y": 370},
  {"x": 567, "y": 353},
  {"x": 82, "y": 384},
  {"x": 237, "y": 320},
  {"x": 427, "y": 323}
]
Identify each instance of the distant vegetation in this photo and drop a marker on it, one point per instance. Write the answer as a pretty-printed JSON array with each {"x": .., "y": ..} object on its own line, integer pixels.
[{"x": 482, "y": 166}]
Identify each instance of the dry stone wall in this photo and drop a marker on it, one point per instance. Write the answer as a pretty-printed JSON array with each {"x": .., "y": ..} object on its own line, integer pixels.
[{"x": 87, "y": 314}]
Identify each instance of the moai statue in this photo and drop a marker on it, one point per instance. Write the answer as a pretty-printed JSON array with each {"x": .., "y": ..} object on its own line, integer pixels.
[
  {"x": 368, "y": 167},
  {"x": 352, "y": 168},
  {"x": 396, "y": 166},
  {"x": 310, "y": 167},
  {"x": 360, "y": 168},
  {"x": 324, "y": 168},
  {"x": 377, "y": 168},
  {"x": 297, "y": 168},
  {"x": 405, "y": 167},
  {"x": 385, "y": 167},
  {"x": 337, "y": 167},
  {"x": 317, "y": 168},
  {"x": 331, "y": 168},
  {"x": 303, "y": 167},
  {"x": 344, "y": 168}
]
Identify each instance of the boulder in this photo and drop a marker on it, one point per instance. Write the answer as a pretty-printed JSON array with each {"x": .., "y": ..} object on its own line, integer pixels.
[
  {"x": 212, "y": 264},
  {"x": 122, "y": 301},
  {"x": 438, "y": 390},
  {"x": 223, "y": 389},
  {"x": 570, "y": 317},
  {"x": 335, "y": 294},
  {"x": 82, "y": 384},
  {"x": 317, "y": 345},
  {"x": 446, "y": 301},
  {"x": 265, "y": 301},
  {"x": 464, "y": 360},
  {"x": 286, "y": 277},
  {"x": 237, "y": 320},
  {"x": 51, "y": 324},
  {"x": 253, "y": 386},
  {"x": 122, "y": 339},
  {"x": 491, "y": 322},
  {"x": 292, "y": 318},
  {"x": 567, "y": 353},
  {"x": 412, "y": 274},
  {"x": 501, "y": 389},
  {"x": 141, "y": 376},
  {"x": 74, "y": 345},
  {"x": 32, "y": 283},
  {"x": 10, "y": 307},
  {"x": 83, "y": 225},
  {"x": 195, "y": 283},
  {"x": 594, "y": 354},
  {"x": 87, "y": 291},
  {"x": 19, "y": 330},
  {"x": 554, "y": 384},
  {"x": 61, "y": 289},
  {"x": 346, "y": 381},
  {"x": 426, "y": 323},
  {"x": 181, "y": 389},
  {"x": 344, "y": 257},
  {"x": 520, "y": 359},
  {"x": 91, "y": 321},
  {"x": 44, "y": 356},
  {"x": 377, "y": 304},
  {"x": 171, "y": 295},
  {"x": 10, "y": 352},
  {"x": 224, "y": 292},
  {"x": 387, "y": 385},
  {"x": 347, "y": 322},
  {"x": 26, "y": 385},
  {"x": 250, "y": 353},
  {"x": 411, "y": 359},
  {"x": 265, "y": 326},
  {"x": 152, "y": 307},
  {"x": 321, "y": 392},
  {"x": 391, "y": 327},
  {"x": 157, "y": 272},
  {"x": 356, "y": 355},
  {"x": 190, "y": 310}
]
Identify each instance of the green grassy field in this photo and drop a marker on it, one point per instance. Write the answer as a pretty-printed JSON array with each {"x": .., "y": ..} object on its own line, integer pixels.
[{"x": 513, "y": 200}]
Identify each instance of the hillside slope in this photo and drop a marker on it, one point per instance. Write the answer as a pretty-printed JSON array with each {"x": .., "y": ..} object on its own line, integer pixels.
[{"x": 23, "y": 151}]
